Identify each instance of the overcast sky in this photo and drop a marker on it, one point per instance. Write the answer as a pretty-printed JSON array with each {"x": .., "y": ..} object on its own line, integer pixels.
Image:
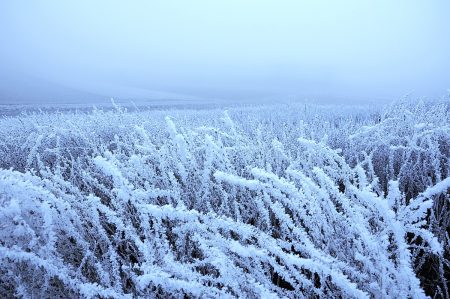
[{"x": 224, "y": 49}]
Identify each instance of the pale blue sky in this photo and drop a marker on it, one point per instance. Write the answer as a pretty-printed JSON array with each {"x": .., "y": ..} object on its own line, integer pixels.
[{"x": 225, "y": 49}]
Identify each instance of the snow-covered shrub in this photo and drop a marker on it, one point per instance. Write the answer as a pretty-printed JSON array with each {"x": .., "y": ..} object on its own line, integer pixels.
[
  {"x": 306, "y": 201},
  {"x": 411, "y": 144}
]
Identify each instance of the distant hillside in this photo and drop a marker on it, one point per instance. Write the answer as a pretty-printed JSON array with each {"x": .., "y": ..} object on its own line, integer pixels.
[{"x": 23, "y": 89}]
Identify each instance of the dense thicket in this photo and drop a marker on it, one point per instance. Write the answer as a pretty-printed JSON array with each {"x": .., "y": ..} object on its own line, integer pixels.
[{"x": 296, "y": 201}]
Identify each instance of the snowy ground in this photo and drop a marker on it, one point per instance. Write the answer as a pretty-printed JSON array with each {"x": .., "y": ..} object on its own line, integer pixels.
[
  {"x": 16, "y": 109},
  {"x": 287, "y": 200}
]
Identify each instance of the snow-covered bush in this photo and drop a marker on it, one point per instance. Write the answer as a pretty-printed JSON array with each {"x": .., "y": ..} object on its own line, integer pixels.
[
  {"x": 305, "y": 201},
  {"x": 411, "y": 144}
]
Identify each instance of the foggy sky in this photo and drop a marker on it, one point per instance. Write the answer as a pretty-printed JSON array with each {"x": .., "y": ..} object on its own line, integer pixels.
[{"x": 60, "y": 50}]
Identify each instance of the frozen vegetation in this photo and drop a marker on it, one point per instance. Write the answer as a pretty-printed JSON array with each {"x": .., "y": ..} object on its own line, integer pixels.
[{"x": 254, "y": 202}]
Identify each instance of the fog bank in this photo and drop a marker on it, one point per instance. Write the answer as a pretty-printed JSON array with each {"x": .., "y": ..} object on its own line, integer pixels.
[{"x": 227, "y": 50}]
